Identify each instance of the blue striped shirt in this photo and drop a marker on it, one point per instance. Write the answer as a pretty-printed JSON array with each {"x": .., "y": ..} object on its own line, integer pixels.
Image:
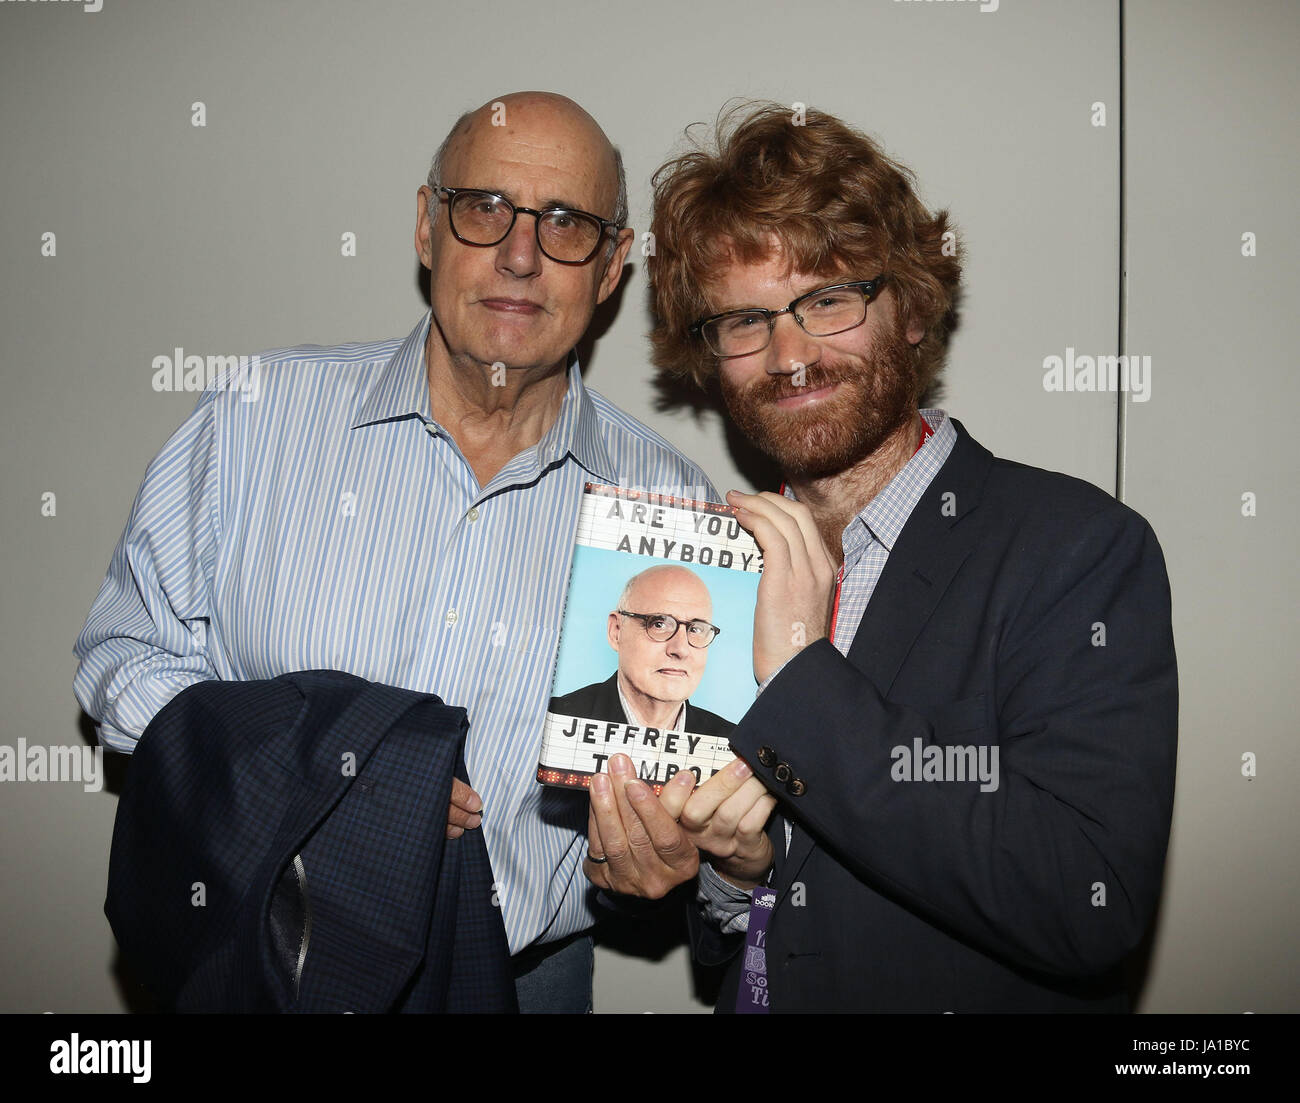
[{"x": 331, "y": 523}]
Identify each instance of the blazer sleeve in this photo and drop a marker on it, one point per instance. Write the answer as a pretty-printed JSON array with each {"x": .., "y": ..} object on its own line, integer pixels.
[{"x": 1057, "y": 869}]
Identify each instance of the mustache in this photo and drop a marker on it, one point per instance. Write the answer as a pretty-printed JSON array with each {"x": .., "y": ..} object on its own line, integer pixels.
[{"x": 772, "y": 388}]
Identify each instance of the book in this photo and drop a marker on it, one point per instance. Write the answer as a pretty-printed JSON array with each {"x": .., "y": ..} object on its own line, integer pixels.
[{"x": 656, "y": 647}]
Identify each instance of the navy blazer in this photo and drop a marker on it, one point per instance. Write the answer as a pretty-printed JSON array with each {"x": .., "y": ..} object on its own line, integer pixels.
[
  {"x": 280, "y": 845},
  {"x": 1021, "y": 610}
]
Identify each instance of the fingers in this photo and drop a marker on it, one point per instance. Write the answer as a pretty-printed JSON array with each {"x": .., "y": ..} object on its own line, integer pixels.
[
  {"x": 671, "y": 800},
  {"x": 651, "y": 832},
  {"x": 775, "y": 545},
  {"x": 784, "y": 524},
  {"x": 728, "y": 814},
  {"x": 646, "y": 853},
  {"x": 733, "y": 811},
  {"x": 666, "y": 840},
  {"x": 704, "y": 802},
  {"x": 465, "y": 812},
  {"x": 595, "y": 871},
  {"x": 677, "y": 792},
  {"x": 755, "y": 820},
  {"x": 464, "y": 798},
  {"x": 803, "y": 518},
  {"x": 594, "y": 845},
  {"x": 722, "y": 832},
  {"x": 608, "y": 824},
  {"x": 796, "y": 591}
]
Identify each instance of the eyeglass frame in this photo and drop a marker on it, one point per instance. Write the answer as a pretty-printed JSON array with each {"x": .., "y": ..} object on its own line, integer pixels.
[
  {"x": 451, "y": 193},
  {"x": 645, "y": 617},
  {"x": 869, "y": 288}
]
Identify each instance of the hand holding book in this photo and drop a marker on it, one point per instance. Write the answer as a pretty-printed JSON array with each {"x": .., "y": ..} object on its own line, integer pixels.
[
  {"x": 642, "y": 845},
  {"x": 798, "y": 582},
  {"x": 635, "y": 845},
  {"x": 726, "y": 818}
]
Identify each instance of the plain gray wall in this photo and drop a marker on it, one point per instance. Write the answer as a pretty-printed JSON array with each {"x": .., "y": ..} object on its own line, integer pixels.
[
  {"x": 321, "y": 118},
  {"x": 1212, "y": 155}
]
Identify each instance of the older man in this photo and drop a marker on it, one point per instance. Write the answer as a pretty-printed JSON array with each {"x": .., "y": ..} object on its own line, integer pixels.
[
  {"x": 392, "y": 509},
  {"x": 968, "y": 696},
  {"x": 661, "y": 631}
]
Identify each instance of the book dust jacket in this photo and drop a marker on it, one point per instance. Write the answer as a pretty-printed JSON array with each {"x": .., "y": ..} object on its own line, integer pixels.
[{"x": 655, "y": 658}]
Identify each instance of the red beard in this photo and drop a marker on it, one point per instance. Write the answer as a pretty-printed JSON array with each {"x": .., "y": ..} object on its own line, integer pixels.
[{"x": 828, "y": 437}]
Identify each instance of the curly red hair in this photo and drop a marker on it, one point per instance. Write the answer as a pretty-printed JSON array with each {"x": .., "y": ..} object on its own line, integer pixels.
[{"x": 828, "y": 195}]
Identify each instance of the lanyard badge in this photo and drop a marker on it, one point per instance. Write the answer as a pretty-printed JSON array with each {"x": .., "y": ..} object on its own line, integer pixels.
[{"x": 751, "y": 996}]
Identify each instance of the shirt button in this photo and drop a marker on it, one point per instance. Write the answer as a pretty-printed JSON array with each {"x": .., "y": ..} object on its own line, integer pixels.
[
  {"x": 451, "y": 617},
  {"x": 472, "y": 515},
  {"x": 431, "y": 428}
]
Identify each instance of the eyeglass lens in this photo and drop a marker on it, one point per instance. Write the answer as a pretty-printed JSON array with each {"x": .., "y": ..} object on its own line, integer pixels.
[{"x": 484, "y": 219}]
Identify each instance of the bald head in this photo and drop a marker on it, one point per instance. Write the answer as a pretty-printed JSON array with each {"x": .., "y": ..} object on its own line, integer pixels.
[
  {"x": 659, "y": 674},
  {"x": 538, "y": 118},
  {"x": 655, "y": 582},
  {"x": 510, "y": 303}
]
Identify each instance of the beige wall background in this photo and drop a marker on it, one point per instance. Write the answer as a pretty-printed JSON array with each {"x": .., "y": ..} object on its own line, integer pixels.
[{"x": 321, "y": 116}]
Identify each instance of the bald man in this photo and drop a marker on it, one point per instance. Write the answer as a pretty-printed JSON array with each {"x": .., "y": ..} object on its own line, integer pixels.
[
  {"x": 661, "y": 629},
  {"x": 392, "y": 509}
]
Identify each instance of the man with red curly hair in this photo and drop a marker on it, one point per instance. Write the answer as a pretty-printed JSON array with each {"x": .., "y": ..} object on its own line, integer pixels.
[{"x": 963, "y": 744}]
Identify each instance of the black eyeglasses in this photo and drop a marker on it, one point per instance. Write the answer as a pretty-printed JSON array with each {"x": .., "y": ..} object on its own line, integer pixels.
[
  {"x": 485, "y": 218},
  {"x": 819, "y": 313},
  {"x": 662, "y": 627}
]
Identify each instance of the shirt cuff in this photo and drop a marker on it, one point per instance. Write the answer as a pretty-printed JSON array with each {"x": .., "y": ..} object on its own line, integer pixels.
[
  {"x": 768, "y": 681},
  {"x": 725, "y": 905}
]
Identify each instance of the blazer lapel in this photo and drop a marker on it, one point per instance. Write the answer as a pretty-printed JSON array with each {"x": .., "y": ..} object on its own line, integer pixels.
[
  {"x": 929, "y": 551},
  {"x": 607, "y": 702}
]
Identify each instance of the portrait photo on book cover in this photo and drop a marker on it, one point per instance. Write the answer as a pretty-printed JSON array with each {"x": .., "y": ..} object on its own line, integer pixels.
[
  {"x": 655, "y": 662},
  {"x": 653, "y": 647}
]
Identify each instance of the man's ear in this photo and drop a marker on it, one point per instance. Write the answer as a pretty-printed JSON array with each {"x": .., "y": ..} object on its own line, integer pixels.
[
  {"x": 614, "y": 266},
  {"x": 612, "y": 628},
  {"x": 915, "y": 333},
  {"x": 423, "y": 226}
]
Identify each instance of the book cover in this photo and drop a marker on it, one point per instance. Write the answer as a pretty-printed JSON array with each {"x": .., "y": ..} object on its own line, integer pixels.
[{"x": 655, "y": 658}]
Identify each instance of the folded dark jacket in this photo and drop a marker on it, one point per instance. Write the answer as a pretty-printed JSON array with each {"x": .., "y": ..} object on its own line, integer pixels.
[{"x": 280, "y": 846}]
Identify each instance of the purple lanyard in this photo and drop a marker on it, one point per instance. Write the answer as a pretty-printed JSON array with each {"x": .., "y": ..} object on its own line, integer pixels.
[{"x": 751, "y": 996}]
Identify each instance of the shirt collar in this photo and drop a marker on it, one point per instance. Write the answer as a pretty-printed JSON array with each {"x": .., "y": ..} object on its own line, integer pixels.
[
  {"x": 634, "y": 718},
  {"x": 576, "y": 432},
  {"x": 885, "y": 515},
  {"x": 401, "y": 390}
]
